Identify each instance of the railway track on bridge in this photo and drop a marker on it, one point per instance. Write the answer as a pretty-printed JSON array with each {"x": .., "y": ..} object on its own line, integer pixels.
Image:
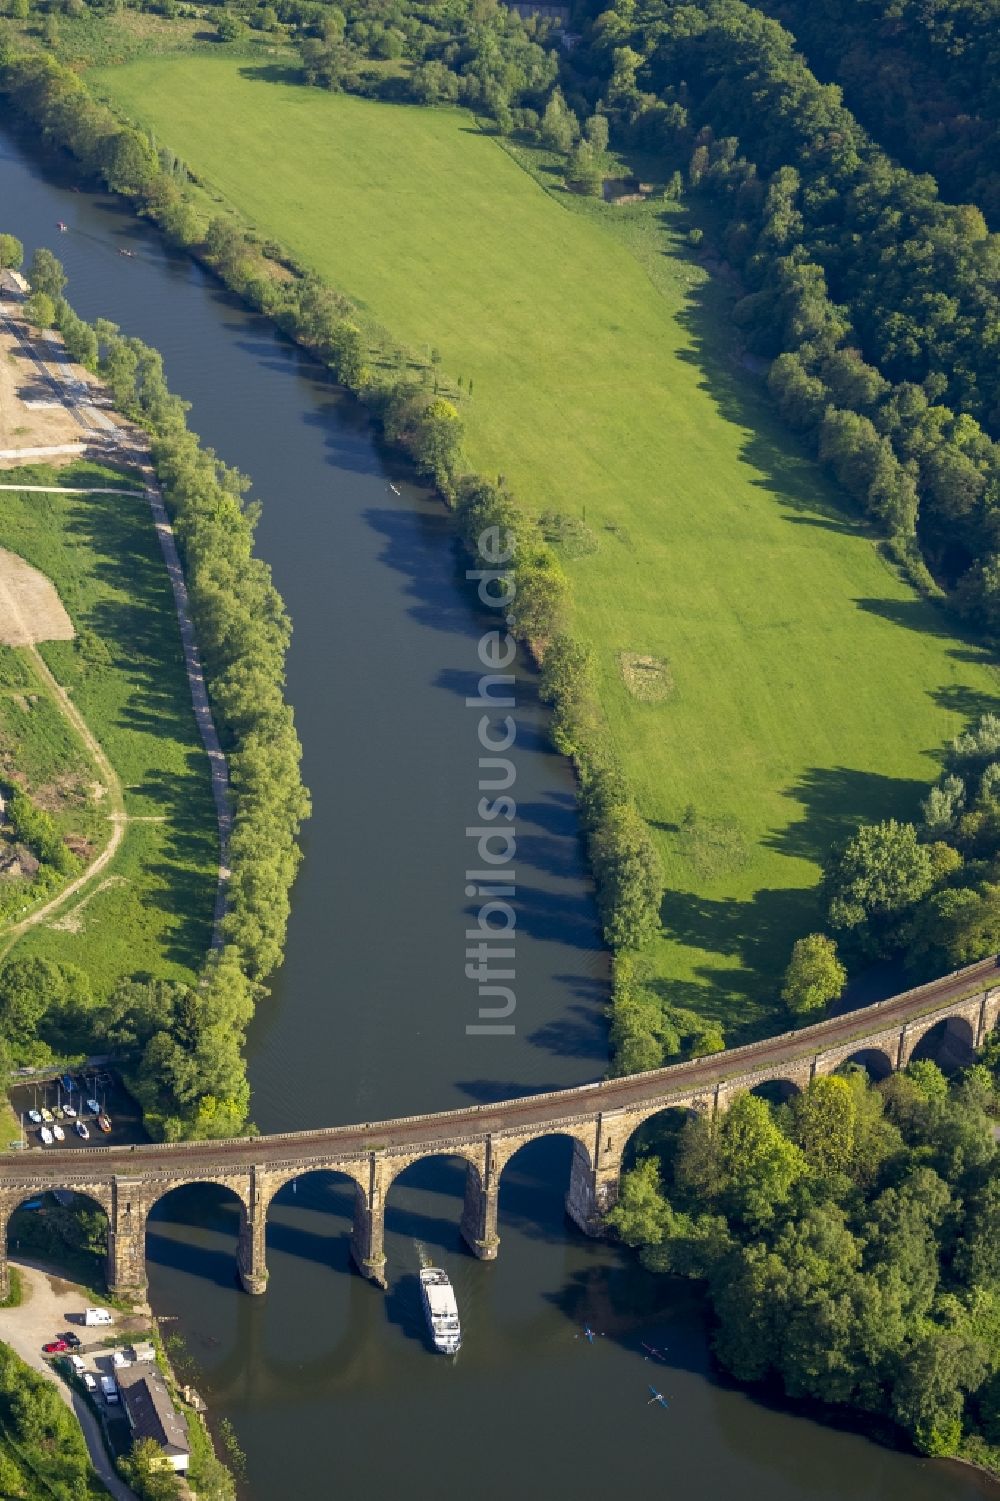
[
  {"x": 600, "y": 1118},
  {"x": 609, "y": 1095}
]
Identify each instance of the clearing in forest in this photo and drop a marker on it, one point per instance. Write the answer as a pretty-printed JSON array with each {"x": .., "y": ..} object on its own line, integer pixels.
[{"x": 809, "y": 687}]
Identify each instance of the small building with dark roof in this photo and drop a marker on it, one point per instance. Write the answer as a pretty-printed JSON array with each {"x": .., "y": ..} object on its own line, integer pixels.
[{"x": 152, "y": 1414}]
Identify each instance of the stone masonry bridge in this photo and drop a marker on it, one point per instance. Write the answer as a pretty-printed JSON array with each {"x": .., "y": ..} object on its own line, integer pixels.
[{"x": 600, "y": 1118}]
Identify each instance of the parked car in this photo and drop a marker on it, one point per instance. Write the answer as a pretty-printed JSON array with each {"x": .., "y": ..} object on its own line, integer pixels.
[
  {"x": 110, "y": 1389},
  {"x": 73, "y": 1340},
  {"x": 78, "y": 1364},
  {"x": 89, "y": 1381},
  {"x": 55, "y": 1347}
]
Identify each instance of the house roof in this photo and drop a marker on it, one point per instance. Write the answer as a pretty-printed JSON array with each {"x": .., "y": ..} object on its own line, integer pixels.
[{"x": 150, "y": 1410}]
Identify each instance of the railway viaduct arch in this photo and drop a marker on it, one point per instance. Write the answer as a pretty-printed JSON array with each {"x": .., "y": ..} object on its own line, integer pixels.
[{"x": 600, "y": 1118}]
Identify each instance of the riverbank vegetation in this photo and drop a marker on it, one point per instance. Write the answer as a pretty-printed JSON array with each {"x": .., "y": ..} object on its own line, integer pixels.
[
  {"x": 847, "y": 1242},
  {"x": 180, "y": 1025},
  {"x": 42, "y": 1451},
  {"x": 743, "y": 570}
]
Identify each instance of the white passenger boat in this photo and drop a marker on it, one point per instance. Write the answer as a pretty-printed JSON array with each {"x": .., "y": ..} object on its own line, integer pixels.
[{"x": 441, "y": 1310}]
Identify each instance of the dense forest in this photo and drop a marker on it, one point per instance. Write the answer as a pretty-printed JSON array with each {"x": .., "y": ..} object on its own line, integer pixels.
[
  {"x": 922, "y": 76},
  {"x": 848, "y": 1243}
]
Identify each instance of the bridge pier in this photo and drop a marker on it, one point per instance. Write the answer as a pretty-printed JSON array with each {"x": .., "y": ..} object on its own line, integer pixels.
[
  {"x": 251, "y": 1250},
  {"x": 368, "y": 1235},
  {"x": 479, "y": 1213},
  {"x": 126, "y": 1262},
  {"x": 593, "y": 1190}
]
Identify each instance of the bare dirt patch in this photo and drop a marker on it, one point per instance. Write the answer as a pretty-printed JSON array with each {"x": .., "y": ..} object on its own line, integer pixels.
[
  {"x": 22, "y": 424},
  {"x": 30, "y": 608},
  {"x": 647, "y": 678},
  {"x": 66, "y": 791},
  {"x": 625, "y": 190},
  {"x": 17, "y": 863}
]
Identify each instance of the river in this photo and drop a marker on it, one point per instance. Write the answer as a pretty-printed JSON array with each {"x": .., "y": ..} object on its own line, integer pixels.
[{"x": 327, "y": 1381}]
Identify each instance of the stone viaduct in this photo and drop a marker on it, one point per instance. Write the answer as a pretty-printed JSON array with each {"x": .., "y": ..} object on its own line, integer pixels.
[{"x": 600, "y": 1119}]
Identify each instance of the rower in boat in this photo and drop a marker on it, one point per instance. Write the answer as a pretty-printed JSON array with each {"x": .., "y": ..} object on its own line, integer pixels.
[{"x": 61, "y": 226}]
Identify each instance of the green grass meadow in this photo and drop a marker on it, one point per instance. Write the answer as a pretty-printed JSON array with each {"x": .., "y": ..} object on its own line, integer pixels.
[
  {"x": 151, "y": 909},
  {"x": 811, "y": 688}
]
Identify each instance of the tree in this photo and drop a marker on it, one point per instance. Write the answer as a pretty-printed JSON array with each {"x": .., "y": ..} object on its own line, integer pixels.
[
  {"x": 45, "y": 273},
  {"x": 824, "y": 1123},
  {"x": 629, "y": 878},
  {"x": 876, "y": 877},
  {"x": 582, "y": 172},
  {"x": 39, "y": 1000},
  {"x": 144, "y": 1468},
  {"x": 640, "y": 1213},
  {"x": 230, "y": 28},
  {"x": 11, "y": 252},
  {"x": 566, "y": 684},
  {"x": 559, "y": 128},
  {"x": 40, "y": 311},
  {"x": 958, "y": 925},
  {"x": 597, "y": 132},
  {"x": 129, "y": 162},
  {"x": 438, "y": 437},
  {"x": 814, "y": 975},
  {"x": 758, "y": 1165},
  {"x": 927, "y": 1397}
]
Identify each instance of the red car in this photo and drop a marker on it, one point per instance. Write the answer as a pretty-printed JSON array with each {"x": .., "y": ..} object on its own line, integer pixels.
[{"x": 55, "y": 1347}]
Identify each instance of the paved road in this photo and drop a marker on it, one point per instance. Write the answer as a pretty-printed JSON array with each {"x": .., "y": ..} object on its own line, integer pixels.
[
  {"x": 39, "y": 1318},
  {"x": 681, "y": 1079}
]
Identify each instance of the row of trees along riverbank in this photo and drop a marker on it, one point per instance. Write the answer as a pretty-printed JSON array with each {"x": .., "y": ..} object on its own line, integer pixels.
[
  {"x": 414, "y": 416},
  {"x": 186, "y": 1041}
]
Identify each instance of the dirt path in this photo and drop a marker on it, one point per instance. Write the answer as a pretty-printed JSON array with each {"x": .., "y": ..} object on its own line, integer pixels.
[
  {"x": 218, "y": 766},
  {"x": 39, "y": 1318},
  {"x": 54, "y": 450},
  {"x": 114, "y": 786},
  {"x": 79, "y": 397},
  {"x": 72, "y": 489}
]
